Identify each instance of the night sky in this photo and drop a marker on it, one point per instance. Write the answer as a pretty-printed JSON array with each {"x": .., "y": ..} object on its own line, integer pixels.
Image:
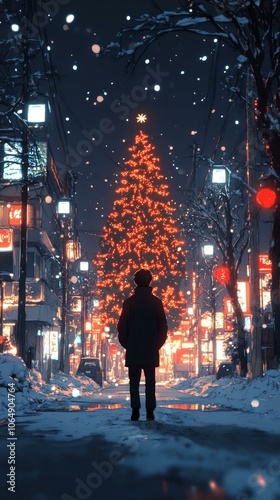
[{"x": 190, "y": 105}]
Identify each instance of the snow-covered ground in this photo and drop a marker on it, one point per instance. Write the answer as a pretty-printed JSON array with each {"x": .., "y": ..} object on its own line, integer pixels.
[{"x": 156, "y": 446}]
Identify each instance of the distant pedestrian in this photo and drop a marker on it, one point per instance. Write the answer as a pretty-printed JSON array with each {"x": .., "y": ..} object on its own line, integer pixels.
[{"x": 142, "y": 331}]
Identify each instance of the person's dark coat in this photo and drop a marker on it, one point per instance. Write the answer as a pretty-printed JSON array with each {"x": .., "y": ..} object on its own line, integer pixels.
[{"x": 142, "y": 327}]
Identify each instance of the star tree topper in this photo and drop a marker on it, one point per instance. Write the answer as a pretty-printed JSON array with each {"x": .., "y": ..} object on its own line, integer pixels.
[{"x": 141, "y": 118}]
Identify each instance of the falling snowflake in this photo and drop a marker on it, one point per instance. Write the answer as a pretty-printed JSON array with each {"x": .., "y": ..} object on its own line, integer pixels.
[{"x": 141, "y": 118}]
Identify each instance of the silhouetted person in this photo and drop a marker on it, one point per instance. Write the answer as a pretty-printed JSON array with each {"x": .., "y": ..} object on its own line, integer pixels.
[{"x": 142, "y": 331}]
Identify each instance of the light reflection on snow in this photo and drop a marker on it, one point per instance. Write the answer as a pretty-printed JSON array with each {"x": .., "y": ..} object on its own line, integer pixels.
[
  {"x": 193, "y": 406},
  {"x": 94, "y": 407}
]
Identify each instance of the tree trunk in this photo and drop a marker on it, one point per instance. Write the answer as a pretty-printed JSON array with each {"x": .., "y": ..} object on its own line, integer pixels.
[{"x": 241, "y": 336}]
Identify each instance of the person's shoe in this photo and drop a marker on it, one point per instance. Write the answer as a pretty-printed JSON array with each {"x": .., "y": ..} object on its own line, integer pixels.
[
  {"x": 135, "y": 414},
  {"x": 150, "y": 415}
]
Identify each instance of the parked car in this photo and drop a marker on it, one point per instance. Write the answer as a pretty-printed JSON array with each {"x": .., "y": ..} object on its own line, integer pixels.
[
  {"x": 225, "y": 370},
  {"x": 91, "y": 368}
]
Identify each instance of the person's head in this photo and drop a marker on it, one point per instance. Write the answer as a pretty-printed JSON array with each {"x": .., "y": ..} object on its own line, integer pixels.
[{"x": 143, "y": 277}]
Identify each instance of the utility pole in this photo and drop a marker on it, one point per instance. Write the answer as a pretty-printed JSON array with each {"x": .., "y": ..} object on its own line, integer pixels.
[
  {"x": 64, "y": 307},
  {"x": 214, "y": 319},
  {"x": 254, "y": 243},
  {"x": 66, "y": 221},
  {"x": 21, "y": 324},
  {"x": 194, "y": 270}
]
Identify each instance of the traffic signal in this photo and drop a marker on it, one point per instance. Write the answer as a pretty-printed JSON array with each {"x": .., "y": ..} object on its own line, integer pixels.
[{"x": 267, "y": 193}]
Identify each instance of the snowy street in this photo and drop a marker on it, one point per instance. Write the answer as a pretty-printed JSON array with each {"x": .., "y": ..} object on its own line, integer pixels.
[{"x": 86, "y": 447}]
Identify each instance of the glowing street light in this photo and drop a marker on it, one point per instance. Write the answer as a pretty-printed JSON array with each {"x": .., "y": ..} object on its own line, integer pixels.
[
  {"x": 64, "y": 207},
  {"x": 208, "y": 250},
  {"x": 220, "y": 175},
  {"x": 84, "y": 268},
  {"x": 64, "y": 211},
  {"x": 84, "y": 265}
]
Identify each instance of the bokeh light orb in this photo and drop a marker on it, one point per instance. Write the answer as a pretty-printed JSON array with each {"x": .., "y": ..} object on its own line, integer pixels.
[
  {"x": 255, "y": 403},
  {"x": 95, "y": 48},
  {"x": 75, "y": 393},
  {"x": 15, "y": 28},
  {"x": 48, "y": 199},
  {"x": 70, "y": 18}
]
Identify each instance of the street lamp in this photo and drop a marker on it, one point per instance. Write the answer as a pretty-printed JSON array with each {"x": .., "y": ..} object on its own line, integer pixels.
[
  {"x": 220, "y": 175},
  {"x": 208, "y": 252},
  {"x": 64, "y": 211},
  {"x": 84, "y": 267},
  {"x": 64, "y": 208},
  {"x": 36, "y": 113}
]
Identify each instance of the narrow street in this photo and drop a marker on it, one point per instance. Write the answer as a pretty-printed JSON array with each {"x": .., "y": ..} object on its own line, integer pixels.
[{"x": 119, "y": 459}]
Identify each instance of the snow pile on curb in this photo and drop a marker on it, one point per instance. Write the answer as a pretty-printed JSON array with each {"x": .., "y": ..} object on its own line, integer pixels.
[
  {"x": 13, "y": 370},
  {"x": 32, "y": 393},
  {"x": 261, "y": 395}
]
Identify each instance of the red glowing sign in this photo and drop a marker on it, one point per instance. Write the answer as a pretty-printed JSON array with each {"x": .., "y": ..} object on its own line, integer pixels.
[
  {"x": 6, "y": 240},
  {"x": 15, "y": 215},
  {"x": 265, "y": 264},
  {"x": 222, "y": 274},
  {"x": 266, "y": 197}
]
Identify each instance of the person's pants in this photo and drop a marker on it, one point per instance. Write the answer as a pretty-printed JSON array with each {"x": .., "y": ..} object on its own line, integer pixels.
[{"x": 134, "y": 373}]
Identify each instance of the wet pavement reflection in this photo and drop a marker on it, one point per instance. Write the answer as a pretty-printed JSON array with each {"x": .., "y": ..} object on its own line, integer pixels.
[{"x": 116, "y": 406}]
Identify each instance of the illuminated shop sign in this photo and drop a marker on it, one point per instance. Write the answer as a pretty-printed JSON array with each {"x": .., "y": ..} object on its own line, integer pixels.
[
  {"x": 265, "y": 264},
  {"x": 6, "y": 240},
  {"x": 50, "y": 345},
  {"x": 15, "y": 215}
]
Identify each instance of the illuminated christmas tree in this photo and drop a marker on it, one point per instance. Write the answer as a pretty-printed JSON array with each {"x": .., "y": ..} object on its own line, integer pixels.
[{"x": 141, "y": 231}]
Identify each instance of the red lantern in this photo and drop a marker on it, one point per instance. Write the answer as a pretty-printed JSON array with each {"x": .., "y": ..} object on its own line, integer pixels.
[
  {"x": 266, "y": 197},
  {"x": 222, "y": 274}
]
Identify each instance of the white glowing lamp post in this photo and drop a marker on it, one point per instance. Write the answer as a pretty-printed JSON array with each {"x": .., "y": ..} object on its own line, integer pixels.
[
  {"x": 36, "y": 113},
  {"x": 220, "y": 175},
  {"x": 84, "y": 267},
  {"x": 64, "y": 211},
  {"x": 208, "y": 250},
  {"x": 208, "y": 253},
  {"x": 64, "y": 207}
]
